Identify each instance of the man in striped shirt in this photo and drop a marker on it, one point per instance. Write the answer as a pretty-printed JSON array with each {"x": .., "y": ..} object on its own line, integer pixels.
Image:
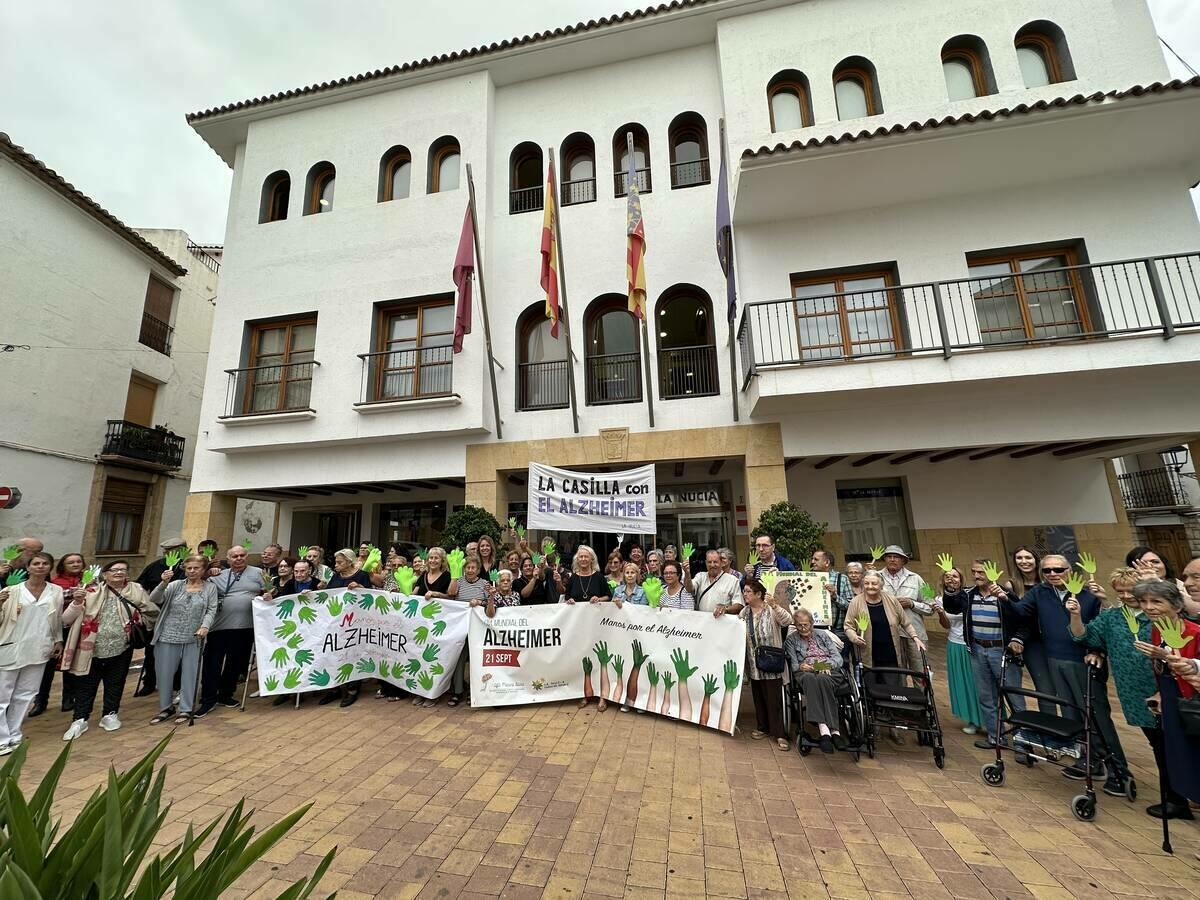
[{"x": 989, "y": 620}]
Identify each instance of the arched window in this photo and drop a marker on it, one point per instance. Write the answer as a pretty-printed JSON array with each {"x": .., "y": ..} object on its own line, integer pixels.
[
  {"x": 641, "y": 159},
  {"x": 578, "y": 175},
  {"x": 856, "y": 89},
  {"x": 525, "y": 187},
  {"x": 688, "y": 137},
  {"x": 273, "y": 205},
  {"x": 444, "y": 165},
  {"x": 789, "y": 101},
  {"x": 1043, "y": 54},
  {"x": 967, "y": 68},
  {"x": 318, "y": 189},
  {"x": 395, "y": 174},
  {"x": 542, "y": 368},
  {"x": 687, "y": 352},
  {"x": 613, "y": 364}
]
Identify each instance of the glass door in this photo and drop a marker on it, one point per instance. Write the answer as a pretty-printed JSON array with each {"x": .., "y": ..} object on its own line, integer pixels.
[
  {"x": 704, "y": 531},
  {"x": 667, "y": 533}
]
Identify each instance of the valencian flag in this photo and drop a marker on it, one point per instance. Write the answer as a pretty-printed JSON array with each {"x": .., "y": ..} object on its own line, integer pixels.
[
  {"x": 725, "y": 243},
  {"x": 464, "y": 268},
  {"x": 635, "y": 254},
  {"x": 549, "y": 274}
]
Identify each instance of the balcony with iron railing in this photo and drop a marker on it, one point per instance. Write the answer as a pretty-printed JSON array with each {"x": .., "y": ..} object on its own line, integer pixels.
[
  {"x": 283, "y": 390},
  {"x": 688, "y": 174},
  {"x": 621, "y": 182},
  {"x": 1070, "y": 304},
  {"x": 688, "y": 372},
  {"x": 1160, "y": 488},
  {"x": 156, "y": 334},
  {"x": 206, "y": 259},
  {"x": 582, "y": 190},
  {"x": 525, "y": 199},
  {"x": 613, "y": 378},
  {"x": 154, "y": 448},
  {"x": 543, "y": 385},
  {"x": 391, "y": 376}
]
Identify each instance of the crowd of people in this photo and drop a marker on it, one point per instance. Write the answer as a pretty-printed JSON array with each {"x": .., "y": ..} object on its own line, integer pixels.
[{"x": 190, "y": 612}]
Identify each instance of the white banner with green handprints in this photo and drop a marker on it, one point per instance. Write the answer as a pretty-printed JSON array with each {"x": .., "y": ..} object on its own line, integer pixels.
[
  {"x": 677, "y": 663},
  {"x": 322, "y": 639}
]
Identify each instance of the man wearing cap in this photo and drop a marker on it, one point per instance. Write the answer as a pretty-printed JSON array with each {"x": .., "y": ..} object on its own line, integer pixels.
[
  {"x": 150, "y": 578},
  {"x": 906, "y": 586}
]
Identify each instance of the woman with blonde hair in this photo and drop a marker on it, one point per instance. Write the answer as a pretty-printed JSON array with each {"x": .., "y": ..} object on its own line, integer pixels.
[
  {"x": 30, "y": 634},
  {"x": 587, "y": 585}
]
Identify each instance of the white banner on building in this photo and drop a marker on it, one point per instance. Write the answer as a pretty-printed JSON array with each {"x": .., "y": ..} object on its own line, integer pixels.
[
  {"x": 323, "y": 639},
  {"x": 613, "y": 502},
  {"x": 677, "y": 663}
]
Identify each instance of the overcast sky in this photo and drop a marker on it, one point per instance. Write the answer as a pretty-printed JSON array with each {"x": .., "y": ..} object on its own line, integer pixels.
[{"x": 99, "y": 90}]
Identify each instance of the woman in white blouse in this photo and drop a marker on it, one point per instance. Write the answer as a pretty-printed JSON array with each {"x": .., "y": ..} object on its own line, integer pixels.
[
  {"x": 675, "y": 595},
  {"x": 30, "y": 633}
]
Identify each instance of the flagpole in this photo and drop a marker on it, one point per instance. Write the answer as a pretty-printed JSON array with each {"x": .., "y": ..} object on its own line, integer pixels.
[
  {"x": 645, "y": 305},
  {"x": 732, "y": 351},
  {"x": 487, "y": 325},
  {"x": 562, "y": 296}
]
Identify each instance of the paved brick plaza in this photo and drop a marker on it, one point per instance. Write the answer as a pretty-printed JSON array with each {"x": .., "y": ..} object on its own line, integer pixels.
[{"x": 558, "y": 802}]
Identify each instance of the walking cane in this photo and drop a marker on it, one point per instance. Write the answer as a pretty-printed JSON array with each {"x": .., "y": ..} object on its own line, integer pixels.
[
  {"x": 196, "y": 690},
  {"x": 246, "y": 687},
  {"x": 1162, "y": 792}
]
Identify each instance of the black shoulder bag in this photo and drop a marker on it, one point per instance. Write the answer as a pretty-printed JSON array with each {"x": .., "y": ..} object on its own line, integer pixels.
[
  {"x": 139, "y": 634},
  {"x": 769, "y": 660}
]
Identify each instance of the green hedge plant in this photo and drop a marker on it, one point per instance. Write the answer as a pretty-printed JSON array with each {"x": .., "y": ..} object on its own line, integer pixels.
[
  {"x": 102, "y": 854},
  {"x": 468, "y": 524},
  {"x": 796, "y": 533}
]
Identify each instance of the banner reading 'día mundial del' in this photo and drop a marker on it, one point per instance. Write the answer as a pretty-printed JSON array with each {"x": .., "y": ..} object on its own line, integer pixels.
[
  {"x": 677, "y": 663},
  {"x": 322, "y": 639},
  {"x": 611, "y": 502}
]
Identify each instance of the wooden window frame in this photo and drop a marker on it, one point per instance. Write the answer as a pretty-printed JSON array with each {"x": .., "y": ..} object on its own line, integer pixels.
[
  {"x": 383, "y": 342},
  {"x": 122, "y": 509},
  {"x": 323, "y": 177},
  {"x": 974, "y": 64},
  {"x": 802, "y": 97},
  {"x": 281, "y": 189},
  {"x": 838, "y": 279},
  {"x": 1049, "y": 52},
  {"x": 865, "y": 81},
  {"x": 435, "y": 171},
  {"x": 258, "y": 329},
  {"x": 390, "y": 165},
  {"x": 1018, "y": 277}
]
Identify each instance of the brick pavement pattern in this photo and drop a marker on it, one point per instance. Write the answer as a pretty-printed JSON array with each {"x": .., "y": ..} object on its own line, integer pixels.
[{"x": 554, "y": 801}]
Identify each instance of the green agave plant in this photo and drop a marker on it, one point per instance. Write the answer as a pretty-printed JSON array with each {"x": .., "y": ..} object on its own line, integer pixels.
[{"x": 100, "y": 854}]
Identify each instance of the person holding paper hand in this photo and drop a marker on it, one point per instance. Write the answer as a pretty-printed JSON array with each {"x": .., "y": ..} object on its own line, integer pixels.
[
  {"x": 815, "y": 658},
  {"x": 960, "y": 674},
  {"x": 838, "y": 586},
  {"x": 765, "y": 620},
  {"x": 73, "y": 575},
  {"x": 16, "y": 558},
  {"x": 186, "y": 611},
  {"x": 909, "y": 588},
  {"x": 30, "y": 634},
  {"x": 765, "y": 559},
  {"x": 675, "y": 595},
  {"x": 716, "y": 590},
  {"x": 628, "y": 590},
  {"x": 231, "y": 640},
  {"x": 174, "y": 550}
]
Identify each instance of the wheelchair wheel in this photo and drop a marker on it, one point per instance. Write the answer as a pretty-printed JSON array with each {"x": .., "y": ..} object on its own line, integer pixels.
[
  {"x": 800, "y": 745},
  {"x": 1083, "y": 807},
  {"x": 1130, "y": 789},
  {"x": 993, "y": 775},
  {"x": 939, "y": 758}
]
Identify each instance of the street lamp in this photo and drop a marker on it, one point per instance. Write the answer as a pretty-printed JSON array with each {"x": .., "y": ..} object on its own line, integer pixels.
[{"x": 1175, "y": 457}]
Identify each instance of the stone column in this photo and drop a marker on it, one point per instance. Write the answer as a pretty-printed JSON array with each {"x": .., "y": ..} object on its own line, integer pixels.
[
  {"x": 483, "y": 481},
  {"x": 209, "y": 516},
  {"x": 766, "y": 480}
]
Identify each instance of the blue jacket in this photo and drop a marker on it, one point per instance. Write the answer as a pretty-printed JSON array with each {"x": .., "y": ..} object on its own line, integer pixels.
[
  {"x": 782, "y": 563},
  {"x": 1044, "y": 620}
]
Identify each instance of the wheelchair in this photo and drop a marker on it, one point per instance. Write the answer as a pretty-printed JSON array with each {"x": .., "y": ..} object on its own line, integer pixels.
[{"x": 852, "y": 719}]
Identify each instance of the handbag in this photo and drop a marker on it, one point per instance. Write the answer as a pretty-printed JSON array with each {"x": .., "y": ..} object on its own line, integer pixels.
[
  {"x": 769, "y": 660},
  {"x": 139, "y": 634}
]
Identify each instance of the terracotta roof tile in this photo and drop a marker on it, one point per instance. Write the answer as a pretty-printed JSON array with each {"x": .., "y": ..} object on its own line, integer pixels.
[
  {"x": 848, "y": 137},
  {"x": 430, "y": 62},
  {"x": 48, "y": 176}
]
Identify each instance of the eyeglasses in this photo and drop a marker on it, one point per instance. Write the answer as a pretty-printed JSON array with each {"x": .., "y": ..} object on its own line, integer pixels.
[{"x": 1054, "y": 570}]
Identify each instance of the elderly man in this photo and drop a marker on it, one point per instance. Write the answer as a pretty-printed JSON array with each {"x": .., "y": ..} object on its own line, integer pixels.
[
  {"x": 906, "y": 586},
  {"x": 28, "y": 547},
  {"x": 716, "y": 591},
  {"x": 231, "y": 638},
  {"x": 316, "y": 559},
  {"x": 838, "y": 585},
  {"x": 269, "y": 559},
  {"x": 149, "y": 579},
  {"x": 768, "y": 559}
]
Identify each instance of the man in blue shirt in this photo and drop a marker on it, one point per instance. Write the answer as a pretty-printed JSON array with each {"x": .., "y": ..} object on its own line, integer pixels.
[{"x": 768, "y": 559}]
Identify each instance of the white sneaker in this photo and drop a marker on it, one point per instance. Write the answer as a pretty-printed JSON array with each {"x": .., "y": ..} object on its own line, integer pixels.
[
  {"x": 78, "y": 727},
  {"x": 970, "y": 729},
  {"x": 110, "y": 722},
  {"x": 7, "y": 749}
]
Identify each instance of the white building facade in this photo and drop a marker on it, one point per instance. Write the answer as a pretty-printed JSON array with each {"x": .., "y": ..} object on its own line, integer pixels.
[
  {"x": 110, "y": 328},
  {"x": 965, "y": 260}
]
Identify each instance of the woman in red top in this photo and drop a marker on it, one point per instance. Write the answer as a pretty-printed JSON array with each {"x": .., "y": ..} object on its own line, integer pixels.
[
  {"x": 1162, "y": 603},
  {"x": 68, "y": 575}
]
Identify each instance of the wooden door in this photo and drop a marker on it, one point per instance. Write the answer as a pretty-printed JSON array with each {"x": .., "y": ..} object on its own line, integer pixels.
[
  {"x": 1171, "y": 543},
  {"x": 139, "y": 401}
]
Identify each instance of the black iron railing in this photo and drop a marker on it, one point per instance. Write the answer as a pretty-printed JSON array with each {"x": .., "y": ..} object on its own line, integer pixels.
[
  {"x": 614, "y": 378},
  {"x": 525, "y": 199},
  {"x": 688, "y": 372},
  {"x": 1153, "y": 295},
  {"x": 621, "y": 182},
  {"x": 686, "y": 174},
  {"x": 156, "y": 334},
  {"x": 417, "y": 374},
  {"x": 206, "y": 258},
  {"x": 543, "y": 385},
  {"x": 1160, "y": 488},
  {"x": 264, "y": 390},
  {"x": 156, "y": 446},
  {"x": 582, "y": 190}
]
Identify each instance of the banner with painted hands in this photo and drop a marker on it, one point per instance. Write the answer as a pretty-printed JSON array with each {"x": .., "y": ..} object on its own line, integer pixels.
[
  {"x": 322, "y": 639},
  {"x": 677, "y": 663}
]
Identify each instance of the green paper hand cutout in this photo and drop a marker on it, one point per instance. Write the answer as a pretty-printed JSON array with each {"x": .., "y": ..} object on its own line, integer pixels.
[
  {"x": 1171, "y": 633},
  {"x": 520, "y": 532},
  {"x": 271, "y": 682},
  {"x": 876, "y": 554},
  {"x": 90, "y": 574},
  {"x": 424, "y": 554},
  {"x": 945, "y": 562},
  {"x": 688, "y": 550},
  {"x": 303, "y": 552},
  {"x": 769, "y": 580},
  {"x": 494, "y": 576},
  {"x": 1074, "y": 583},
  {"x": 209, "y": 552},
  {"x": 15, "y": 577},
  {"x": 280, "y": 657},
  {"x": 612, "y": 584},
  {"x": 11, "y": 552},
  {"x": 1087, "y": 562},
  {"x": 512, "y": 521},
  {"x": 536, "y": 558},
  {"x": 283, "y": 609},
  {"x": 863, "y": 622},
  {"x": 927, "y": 593},
  {"x": 653, "y": 588},
  {"x": 247, "y": 545},
  {"x": 548, "y": 547},
  {"x": 431, "y": 609},
  {"x": 320, "y": 678},
  {"x": 171, "y": 558},
  {"x": 291, "y": 681},
  {"x": 285, "y": 629},
  {"x": 344, "y": 672},
  {"x": 1131, "y": 620},
  {"x": 752, "y": 559},
  {"x": 821, "y": 666},
  {"x": 992, "y": 572},
  {"x": 406, "y": 579}
]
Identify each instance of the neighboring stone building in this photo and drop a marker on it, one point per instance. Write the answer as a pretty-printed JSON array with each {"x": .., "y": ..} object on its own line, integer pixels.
[
  {"x": 101, "y": 409},
  {"x": 932, "y": 347}
]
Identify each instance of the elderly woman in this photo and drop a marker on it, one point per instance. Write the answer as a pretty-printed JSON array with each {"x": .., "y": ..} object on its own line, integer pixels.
[
  {"x": 186, "y": 612},
  {"x": 764, "y": 619},
  {"x": 815, "y": 659},
  {"x": 854, "y": 572},
  {"x": 675, "y": 595},
  {"x": 30, "y": 634},
  {"x": 882, "y": 643},
  {"x": 587, "y": 585},
  {"x": 1163, "y": 604},
  {"x": 98, "y": 645},
  {"x": 960, "y": 672},
  {"x": 68, "y": 575},
  {"x": 435, "y": 581},
  {"x": 654, "y": 561}
]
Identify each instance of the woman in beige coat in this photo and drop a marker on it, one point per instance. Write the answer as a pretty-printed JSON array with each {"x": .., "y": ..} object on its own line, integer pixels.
[
  {"x": 98, "y": 645},
  {"x": 30, "y": 633}
]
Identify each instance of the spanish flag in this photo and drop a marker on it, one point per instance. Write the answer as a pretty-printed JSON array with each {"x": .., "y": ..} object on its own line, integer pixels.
[
  {"x": 549, "y": 274},
  {"x": 635, "y": 253}
]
